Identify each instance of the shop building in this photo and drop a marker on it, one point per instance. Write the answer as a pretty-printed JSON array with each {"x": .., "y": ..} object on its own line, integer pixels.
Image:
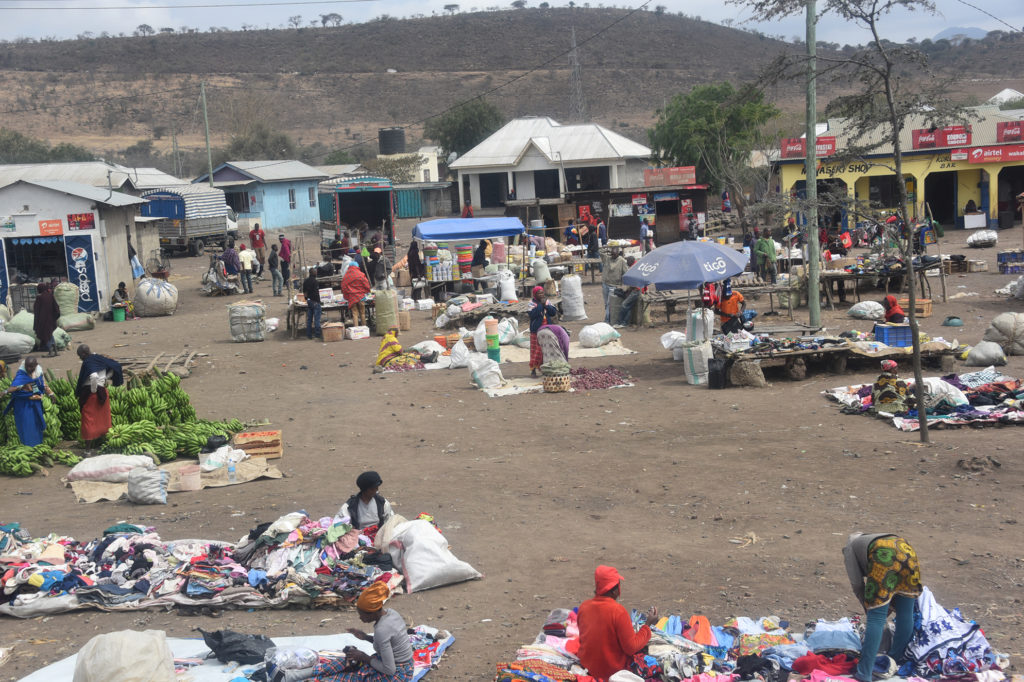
[
  {"x": 950, "y": 169},
  {"x": 274, "y": 193},
  {"x": 67, "y": 231}
]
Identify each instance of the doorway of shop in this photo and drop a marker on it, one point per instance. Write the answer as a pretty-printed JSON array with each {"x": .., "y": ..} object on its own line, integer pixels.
[{"x": 940, "y": 195}]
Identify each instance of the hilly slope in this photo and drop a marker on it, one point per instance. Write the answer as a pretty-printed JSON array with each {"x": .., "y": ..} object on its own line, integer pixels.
[{"x": 335, "y": 86}]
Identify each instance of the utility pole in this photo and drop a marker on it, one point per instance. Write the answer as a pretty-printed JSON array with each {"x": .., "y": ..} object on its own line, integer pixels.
[
  {"x": 206, "y": 125},
  {"x": 174, "y": 151},
  {"x": 577, "y": 104},
  {"x": 811, "y": 173}
]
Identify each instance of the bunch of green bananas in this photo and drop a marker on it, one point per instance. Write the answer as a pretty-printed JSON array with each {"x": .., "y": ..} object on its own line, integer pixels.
[
  {"x": 18, "y": 460},
  {"x": 121, "y": 436}
]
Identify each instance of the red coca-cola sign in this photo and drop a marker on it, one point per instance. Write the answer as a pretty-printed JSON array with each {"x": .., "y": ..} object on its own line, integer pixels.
[
  {"x": 949, "y": 136},
  {"x": 1009, "y": 131},
  {"x": 796, "y": 147}
]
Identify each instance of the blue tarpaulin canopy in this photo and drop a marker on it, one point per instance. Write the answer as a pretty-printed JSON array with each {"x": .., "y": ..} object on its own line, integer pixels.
[{"x": 464, "y": 229}]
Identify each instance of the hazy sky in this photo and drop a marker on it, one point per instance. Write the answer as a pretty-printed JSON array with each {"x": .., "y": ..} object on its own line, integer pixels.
[{"x": 68, "y": 18}]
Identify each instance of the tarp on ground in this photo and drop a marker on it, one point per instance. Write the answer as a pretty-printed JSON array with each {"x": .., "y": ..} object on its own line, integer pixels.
[{"x": 466, "y": 229}]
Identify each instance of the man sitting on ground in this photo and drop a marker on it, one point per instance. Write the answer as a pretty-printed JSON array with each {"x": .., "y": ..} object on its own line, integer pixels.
[{"x": 607, "y": 640}]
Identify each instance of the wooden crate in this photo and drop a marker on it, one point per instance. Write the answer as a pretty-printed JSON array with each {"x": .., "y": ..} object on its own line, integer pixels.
[
  {"x": 923, "y": 307},
  {"x": 267, "y": 444}
]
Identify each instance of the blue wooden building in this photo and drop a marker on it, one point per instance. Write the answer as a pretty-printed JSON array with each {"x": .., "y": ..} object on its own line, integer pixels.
[{"x": 275, "y": 194}]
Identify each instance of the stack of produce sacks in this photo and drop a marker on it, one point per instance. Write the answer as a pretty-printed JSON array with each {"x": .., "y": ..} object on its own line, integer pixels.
[
  {"x": 66, "y": 295},
  {"x": 247, "y": 320},
  {"x": 155, "y": 297}
]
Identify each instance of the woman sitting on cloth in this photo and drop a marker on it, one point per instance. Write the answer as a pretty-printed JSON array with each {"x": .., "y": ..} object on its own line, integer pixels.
[
  {"x": 26, "y": 400},
  {"x": 541, "y": 313},
  {"x": 889, "y": 393},
  {"x": 893, "y": 312},
  {"x": 392, "y": 357},
  {"x": 392, "y": 657}
]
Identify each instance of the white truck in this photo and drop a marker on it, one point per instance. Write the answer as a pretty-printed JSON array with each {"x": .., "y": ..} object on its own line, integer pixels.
[{"x": 192, "y": 217}]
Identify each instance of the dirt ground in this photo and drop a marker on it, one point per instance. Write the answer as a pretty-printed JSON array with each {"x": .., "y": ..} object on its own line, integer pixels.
[{"x": 662, "y": 480}]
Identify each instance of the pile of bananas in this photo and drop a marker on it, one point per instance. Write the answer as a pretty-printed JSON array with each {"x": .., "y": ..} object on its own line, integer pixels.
[{"x": 149, "y": 415}]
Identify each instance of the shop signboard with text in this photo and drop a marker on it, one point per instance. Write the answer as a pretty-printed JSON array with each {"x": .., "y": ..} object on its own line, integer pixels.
[
  {"x": 796, "y": 147},
  {"x": 1009, "y": 131},
  {"x": 948, "y": 136},
  {"x": 51, "y": 228},
  {"x": 82, "y": 271},
  {"x": 1000, "y": 154},
  {"x": 81, "y": 221},
  {"x": 663, "y": 177}
]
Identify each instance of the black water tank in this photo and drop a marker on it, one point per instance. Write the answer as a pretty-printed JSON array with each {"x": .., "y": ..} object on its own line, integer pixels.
[{"x": 391, "y": 140}]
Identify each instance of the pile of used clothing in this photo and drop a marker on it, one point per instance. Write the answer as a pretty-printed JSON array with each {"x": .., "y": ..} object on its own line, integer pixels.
[
  {"x": 944, "y": 644},
  {"x": 294, "y": 560},
  {"x": 976, "y": 398}
]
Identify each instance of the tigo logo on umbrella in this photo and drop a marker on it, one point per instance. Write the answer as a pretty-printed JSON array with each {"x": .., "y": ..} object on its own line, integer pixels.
[{"x": 717, "y": 266}]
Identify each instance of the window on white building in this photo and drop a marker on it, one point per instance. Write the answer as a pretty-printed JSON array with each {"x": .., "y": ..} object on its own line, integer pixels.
[
  {"x": 291, "y": 198},
  {"x": 312, "y": 197}
]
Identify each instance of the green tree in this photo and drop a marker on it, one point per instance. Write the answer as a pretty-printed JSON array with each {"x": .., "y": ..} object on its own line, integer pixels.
[
  {"x": 462, "y": 128},
  {"x": 18, "y": 148},
  {"x": 256, "y": 143},
  {"x": 398, "y": 168},
  {"x": 339, "y": 157},
  {"x": 714, "y": 127}
]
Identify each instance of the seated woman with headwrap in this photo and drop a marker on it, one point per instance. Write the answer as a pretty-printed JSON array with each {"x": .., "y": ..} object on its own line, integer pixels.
[
  {"x": 392, "y": 657},
  {"x": 893, "y": 312},
  {"x": 541, "y": 313},
  {"x": 889, "y": 393},
  {"x": 392, "y": 357}
]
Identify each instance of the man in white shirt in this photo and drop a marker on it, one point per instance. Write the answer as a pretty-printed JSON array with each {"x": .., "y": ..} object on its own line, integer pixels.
[
  {"x": 247, "y": 258},
  {"x": 367, "y": 508}
]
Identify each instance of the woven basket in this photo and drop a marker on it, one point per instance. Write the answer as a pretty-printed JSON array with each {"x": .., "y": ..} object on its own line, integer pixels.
[{"x": 557, "y": 384}]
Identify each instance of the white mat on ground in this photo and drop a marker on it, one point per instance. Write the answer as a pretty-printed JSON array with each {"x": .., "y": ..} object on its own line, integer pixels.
[
  {"x": 215, "y": 671},
  {"x": 245, "y": 471},
  {"x": 529, "y": 385},
  {"x": 512, "y": 353}
]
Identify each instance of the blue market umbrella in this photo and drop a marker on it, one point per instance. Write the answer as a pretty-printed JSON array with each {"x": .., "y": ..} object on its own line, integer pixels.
[{"x": 686, "y": 265}]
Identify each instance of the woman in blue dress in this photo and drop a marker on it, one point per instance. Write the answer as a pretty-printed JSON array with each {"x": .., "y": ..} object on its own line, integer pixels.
[{"x": 26, "y": 400}]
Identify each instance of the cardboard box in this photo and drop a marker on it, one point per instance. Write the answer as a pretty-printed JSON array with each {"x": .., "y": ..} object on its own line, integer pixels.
[
  {"x": 425, "y": 304},
  {"x": 404, "y": 320},
  {"x": 355, "y": 333},
  {"x": 267, "y": 444},
  {"x": 403, "y": 279},
  {"x": 407, "y": 304},
  {"x": 977, "y": 266},
  {"x": 326, "y": 295}
]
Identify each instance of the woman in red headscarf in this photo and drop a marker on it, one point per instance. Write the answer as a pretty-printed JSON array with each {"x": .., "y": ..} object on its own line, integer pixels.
[
  {"x": 541, "y": 313},
  {"x": 893, "y": 312}
]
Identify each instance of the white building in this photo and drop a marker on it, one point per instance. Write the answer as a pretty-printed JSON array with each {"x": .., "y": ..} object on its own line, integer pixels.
[{"x": 538, "y": 158}]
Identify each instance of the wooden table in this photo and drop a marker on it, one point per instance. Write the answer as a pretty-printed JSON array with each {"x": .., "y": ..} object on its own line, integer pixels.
[
  {"x": 585, "y": 262},
  {"x": 297, "y": 313},
  {"x": 518, "y": 310},
  {"x": 828, "y": 276}
]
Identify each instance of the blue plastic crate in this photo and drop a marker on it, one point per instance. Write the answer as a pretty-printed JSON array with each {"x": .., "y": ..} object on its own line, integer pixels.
[{"x": 897, "y": 335}]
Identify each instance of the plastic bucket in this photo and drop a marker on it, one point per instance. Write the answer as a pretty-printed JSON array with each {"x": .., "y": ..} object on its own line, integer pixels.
[
  {"x": 118, "y": 314},
  {"x": 494, "y": 353},
  {"x": 190, "y": 477},
  {"x": 491, "y": 327}
]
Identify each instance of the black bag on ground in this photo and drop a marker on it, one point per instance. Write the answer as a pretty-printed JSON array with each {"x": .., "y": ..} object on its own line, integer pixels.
[
  {"x": 716, "y": 373},
  {"x": 228, "y": 645}
]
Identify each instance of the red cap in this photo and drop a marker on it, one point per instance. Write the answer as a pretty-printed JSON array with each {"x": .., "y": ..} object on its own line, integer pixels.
[{"x": 605, "y": 578}]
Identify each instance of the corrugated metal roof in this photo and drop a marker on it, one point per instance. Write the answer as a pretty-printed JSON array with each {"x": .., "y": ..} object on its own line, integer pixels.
[
  {"x": 982, "y": 126},
  {"x": 341, "y": 169},
  {"x": 273, "y": 171},
  {"x": 92, "y": 173},
  {"x": 567, "y": 144},
  {"x": 77, "y": 189},
  {"x": 201, "y": 201}
]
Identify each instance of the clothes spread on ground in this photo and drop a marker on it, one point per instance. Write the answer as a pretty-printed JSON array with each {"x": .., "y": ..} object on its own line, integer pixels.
[
  {"x": 759, "y": 649},
  {"x": 293, "y": 561},
  {"x": 975, "y": 398}
]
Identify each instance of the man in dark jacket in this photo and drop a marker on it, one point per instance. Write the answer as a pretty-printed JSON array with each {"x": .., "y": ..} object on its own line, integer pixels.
[
  {"x": 311, "y": 290},
  {"x": 367, "y": 507}
]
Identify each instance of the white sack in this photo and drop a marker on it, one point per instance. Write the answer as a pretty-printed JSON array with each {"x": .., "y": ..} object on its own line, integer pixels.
[
  {"x": 508, "y": 330},
  {"x": 453, "y": 311},
  {"x": 442, "y": 321},
  {"x": 460, "y": 355},
  {"x": 5, "y": 313},
  {"x": 484, "y": 372},
  {"x": 427, "y": 347},
  {"x": 670, "y": 340},
  {"x": 984, "y": 354},
  {"x": 155, "y": 297},
  {"x": 572, "y": 298},
  {"x": 15, "y": 343},
  {"x": 597, "y": 335},
  {"x": 76, "y": 322},
  {"x": 126, "y": 656},
  {"x": 541, "y": 273},
  {"x": 695, "y": 361},
  {"x": 1007, "y": 329},
  {"x": 867, "y": 310},
  {"x": 983, "y": 239},
  {"x": 247, "y": 322},
  {"x": 523, "y": 339},
  {"x": 936, "y": 391},
  {"x": 421, "y": 553},
  {"x": 147, "y": 486},
  {"x": 700, "y": 324},
  {"x": 480, "y": 335},
  {"x": 507, "y": 286},
  {"x": 221, "y": 456},
  {"x": 109, "y": 468},
  {"x": 22, "y": 323}
]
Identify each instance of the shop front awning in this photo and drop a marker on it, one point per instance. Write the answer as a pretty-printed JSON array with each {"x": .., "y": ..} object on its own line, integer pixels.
[
  {"x": 36, "y": 240},
  {"x": 465, "y": 229}
]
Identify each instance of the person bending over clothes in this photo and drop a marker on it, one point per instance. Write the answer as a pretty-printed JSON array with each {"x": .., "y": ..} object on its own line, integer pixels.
[
  {"x": 885, "y": 575},
  {"x": 392, "y": 652},
  {"x": 367, "y": 507},
  {"x": 26, "y": 391},
  {"x": 893, "y": 312},
  {"x": 607, "y": 640},
  {"x": 889, "y": 393},
  {"x": 392, "y": 356},
  {"x": 541, "y": 313}
]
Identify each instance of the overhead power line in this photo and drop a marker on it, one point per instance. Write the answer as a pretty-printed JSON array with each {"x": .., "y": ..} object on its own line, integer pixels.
[{"x": 989, "y": 14}]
